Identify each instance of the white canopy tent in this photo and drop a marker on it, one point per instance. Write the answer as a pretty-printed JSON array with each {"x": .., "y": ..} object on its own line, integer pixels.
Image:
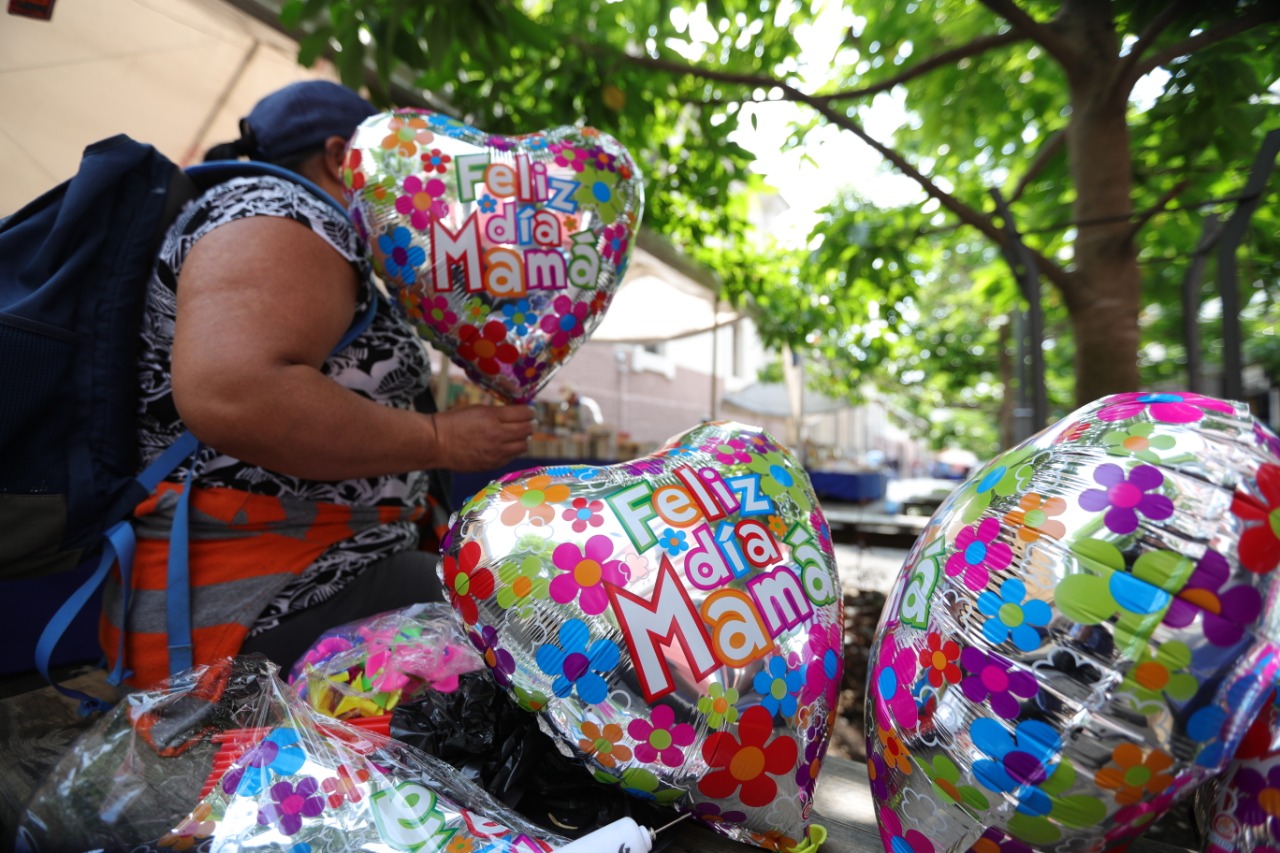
[{"x": 179, "y": 74}]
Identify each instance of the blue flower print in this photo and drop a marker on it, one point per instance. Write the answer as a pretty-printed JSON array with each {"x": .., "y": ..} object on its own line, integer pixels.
[
  {"x": 1013, "y": 616},
  {"x": 279, "y": 753},
  {"x": 400, "y": 259},
  {"x": 577, "y": 665},
  {"x": 778, "y": 687},
  {"x": 516, "y": 316},
  {"x": 440, "y": 120},
  {"x": 674, "y": 541},
  {"x": 1019, "y": 764},
  {"x": 535, "y": 143},
  {"x": 487, "y": 203}
]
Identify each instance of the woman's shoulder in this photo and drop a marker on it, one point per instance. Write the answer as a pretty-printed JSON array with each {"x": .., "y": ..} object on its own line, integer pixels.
[{"x": 251, "y": 196}]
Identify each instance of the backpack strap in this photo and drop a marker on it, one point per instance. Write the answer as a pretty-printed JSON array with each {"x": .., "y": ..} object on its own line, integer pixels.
[
  {"x": 120, "y": 540},
  {"x": 118, "y": 548}
]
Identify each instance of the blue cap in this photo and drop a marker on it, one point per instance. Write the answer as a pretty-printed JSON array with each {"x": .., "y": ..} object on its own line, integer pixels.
[{"x": 302, "y": 116}]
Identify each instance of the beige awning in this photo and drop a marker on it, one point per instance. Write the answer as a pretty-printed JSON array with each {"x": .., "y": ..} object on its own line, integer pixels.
[{"x": 179, "y": 75}]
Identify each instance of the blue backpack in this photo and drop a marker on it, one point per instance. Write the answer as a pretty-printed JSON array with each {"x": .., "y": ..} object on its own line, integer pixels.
[{"x": 74, "y": 267}]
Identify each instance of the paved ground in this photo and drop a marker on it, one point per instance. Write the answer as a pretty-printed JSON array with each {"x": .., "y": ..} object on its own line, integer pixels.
[{"x": 868, "y": 569}]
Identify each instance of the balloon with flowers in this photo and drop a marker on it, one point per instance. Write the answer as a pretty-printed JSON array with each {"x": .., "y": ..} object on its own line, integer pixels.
[
  {"x": 1082, "y": 635},
  {"x": 675, "y": 621},
  {"x": 503, "y": 251}
]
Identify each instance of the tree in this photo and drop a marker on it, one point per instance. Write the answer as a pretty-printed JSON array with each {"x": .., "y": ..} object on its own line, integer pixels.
[{"x": 1033, "y": 97}]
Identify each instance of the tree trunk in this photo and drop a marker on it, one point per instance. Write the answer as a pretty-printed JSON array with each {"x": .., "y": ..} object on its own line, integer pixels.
[{"x": 1105, "y": 296}]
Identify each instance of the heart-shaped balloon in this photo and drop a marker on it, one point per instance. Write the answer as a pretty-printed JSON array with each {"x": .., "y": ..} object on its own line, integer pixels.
[
  {"x": 503, "y": 251},
  {"x": 1082, "y": 634},
  {"x": 676, "y": 620}
]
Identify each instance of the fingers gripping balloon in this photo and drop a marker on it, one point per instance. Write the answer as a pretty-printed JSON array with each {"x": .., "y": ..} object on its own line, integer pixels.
[
  {"x": 504, "y": 251},
  {"x": 1078, "y": 640},
  {"x": 676, "y": 620}
]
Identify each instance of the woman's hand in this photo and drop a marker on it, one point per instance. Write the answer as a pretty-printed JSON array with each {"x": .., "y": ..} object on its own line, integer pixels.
[{"x": 479, "y": 438}]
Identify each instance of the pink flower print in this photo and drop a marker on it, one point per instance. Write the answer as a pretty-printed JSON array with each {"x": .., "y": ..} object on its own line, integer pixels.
[
  {"x": 978, "y": 554},
  {"x": 583, "y": 514},
  {"x": 993, "y": 680},
  {"x": 660, "y": 737},
  {"x": 895, "y": 838},
  {"x": 1226, "y": 613},
  {"x": 895, "y": 672},
  {"x": 730, "y": 451},
  {"x": 291, "y": 803},
  {"x": 1179, "y": 408},
  {"x": 422, "y": 201},
  {"x": 825, "y": 661},
  {"x": 615, "y": 243},
  {"x": 586, "y": 570},
  {"x": 566, "y": 324},
  {"x": 569, "y": 156},
  {"x": 818, "y": 522},
  {"x": 1124, "y": 498},
  {"x": 438, "y": 314}
]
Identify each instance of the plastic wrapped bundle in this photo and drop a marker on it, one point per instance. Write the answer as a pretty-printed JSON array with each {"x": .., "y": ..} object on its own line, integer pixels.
[
  {"x": 303, "y": 781},
  {"x": 368, "y": 667}
]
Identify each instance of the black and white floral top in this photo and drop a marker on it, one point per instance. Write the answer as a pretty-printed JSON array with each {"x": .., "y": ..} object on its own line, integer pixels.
[{"x": 386, "y": 363}]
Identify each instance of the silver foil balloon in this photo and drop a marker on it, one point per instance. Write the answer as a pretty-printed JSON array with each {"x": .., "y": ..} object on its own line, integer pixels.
[
  {"x": 503, "y": 251},
  {"x": 675, "y": 620},
  {"x": 1082, "y": 634}
]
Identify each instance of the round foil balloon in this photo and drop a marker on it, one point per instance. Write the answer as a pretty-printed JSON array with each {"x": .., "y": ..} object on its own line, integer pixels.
[
  {"x": 503, "y": 251},
  {"x": 1080, "y": 637},
  {"x": 675, "y": 619},
  {"x": 1238, "y": 813}
]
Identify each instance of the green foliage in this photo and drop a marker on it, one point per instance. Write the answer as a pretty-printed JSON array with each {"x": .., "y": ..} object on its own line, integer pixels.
[{"x": 917, "y": 300}]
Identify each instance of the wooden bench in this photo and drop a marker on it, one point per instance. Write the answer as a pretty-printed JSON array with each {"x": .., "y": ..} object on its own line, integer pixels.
[{"x": 39, "y": 726}]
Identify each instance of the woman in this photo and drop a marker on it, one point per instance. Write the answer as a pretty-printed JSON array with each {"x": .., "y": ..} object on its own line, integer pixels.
[{"x": 312, "y": 482}]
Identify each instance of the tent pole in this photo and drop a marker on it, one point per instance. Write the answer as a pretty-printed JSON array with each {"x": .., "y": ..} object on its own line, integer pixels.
[
  {"x": 194, "y": 154},
  {"x": 715, "y": 357}
]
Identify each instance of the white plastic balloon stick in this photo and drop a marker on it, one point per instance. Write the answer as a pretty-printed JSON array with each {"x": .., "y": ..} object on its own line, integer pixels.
[{"x": 621, "y": 836}]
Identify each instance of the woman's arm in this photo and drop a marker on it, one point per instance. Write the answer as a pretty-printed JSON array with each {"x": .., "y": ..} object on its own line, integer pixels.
[{"x": 262, "y": 301}]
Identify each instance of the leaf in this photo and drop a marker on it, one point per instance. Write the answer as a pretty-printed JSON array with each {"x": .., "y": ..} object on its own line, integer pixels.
[{"x": 313, "y": 44}]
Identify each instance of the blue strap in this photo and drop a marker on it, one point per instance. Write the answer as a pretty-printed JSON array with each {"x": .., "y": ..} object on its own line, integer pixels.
[
  {"x": 178, "y": 594},
  {"x": 120, "y": 544},
  {"x": 162, "y": 466}
]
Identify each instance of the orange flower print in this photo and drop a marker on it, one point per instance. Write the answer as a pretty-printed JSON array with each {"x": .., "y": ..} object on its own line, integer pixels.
[
  {"x": 1034, "y": 517},
  {"x": 533, "y": 501},
  {"x": 895, "y": 754},
  {"x": 1131, "y": 773},
  {"x": 406, "y": 135},
  {"x": 460, "y": 844},
  {"x": 603, "y": 743}
]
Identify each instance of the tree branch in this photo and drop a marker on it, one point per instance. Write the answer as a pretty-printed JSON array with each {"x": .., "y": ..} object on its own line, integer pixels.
[
  {"x": 979, "y": 45},
  {"x": 1055, "y": 143},
  {"x": 1203, "y": 39},
  {"x": 1032, "y": 29},
  {"x": 1161, "y": 204},
  {"x": 1148, "y": 36},
  {"x": 967, "y": 214}
]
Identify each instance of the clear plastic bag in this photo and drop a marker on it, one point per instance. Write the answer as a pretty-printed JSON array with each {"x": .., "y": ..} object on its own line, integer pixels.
[
  {"x": 300, "y": 781},
  {"x": 369, "y": 667}
]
